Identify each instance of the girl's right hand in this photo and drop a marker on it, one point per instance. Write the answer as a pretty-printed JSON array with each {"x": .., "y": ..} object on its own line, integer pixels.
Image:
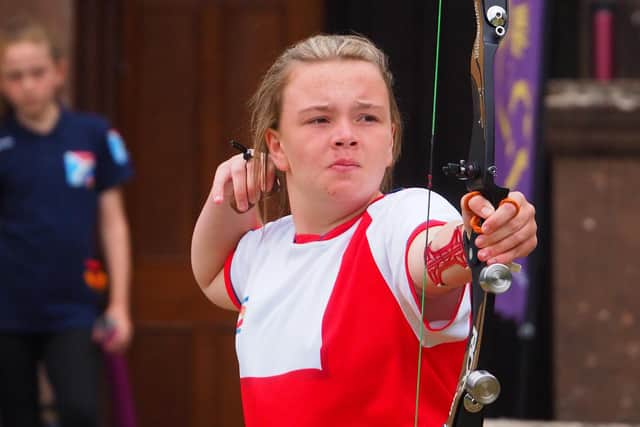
[{"x": 236, "y": 179}]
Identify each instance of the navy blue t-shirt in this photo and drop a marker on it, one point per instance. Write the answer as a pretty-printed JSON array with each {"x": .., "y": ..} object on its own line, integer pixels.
[{"x": 49, "y": 189}]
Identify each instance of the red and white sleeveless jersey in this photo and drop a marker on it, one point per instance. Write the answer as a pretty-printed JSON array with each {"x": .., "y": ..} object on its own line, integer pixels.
[{"x": 329, "y": 325}]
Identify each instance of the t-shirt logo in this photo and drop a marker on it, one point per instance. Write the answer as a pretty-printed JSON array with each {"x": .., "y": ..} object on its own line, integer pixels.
[
  {"x": 243, "y": 310},
  {"x": 117, "y": 148},
  {"x": 94, "y": 275},
  {"x": 6, "y": 143},
  {"x": 80, "y": 167}
]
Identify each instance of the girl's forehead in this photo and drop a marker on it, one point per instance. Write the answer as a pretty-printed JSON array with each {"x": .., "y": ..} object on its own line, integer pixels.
[
  {"x": 26, "y": 50},
  {"x": 329, "y": 68},
  {"x": 341, "y": 75}
]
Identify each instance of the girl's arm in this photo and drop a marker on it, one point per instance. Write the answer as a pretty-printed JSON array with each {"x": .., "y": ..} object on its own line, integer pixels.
[
  {"x": 507, "y": 235},
  {"x": 114, "y": 234},
  {"x": 220, "y": 227}
]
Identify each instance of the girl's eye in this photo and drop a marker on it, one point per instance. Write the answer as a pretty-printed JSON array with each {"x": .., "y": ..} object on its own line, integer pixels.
[
  {"x": 367, "y": 118},
  {"x": 38, "y": 72},
  {"x": 13, "y": 76},
  {"x": 318, "y": 120}
]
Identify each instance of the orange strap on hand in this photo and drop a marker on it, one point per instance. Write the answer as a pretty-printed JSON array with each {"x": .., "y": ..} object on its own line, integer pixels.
[{"x": 476, "y": 221}]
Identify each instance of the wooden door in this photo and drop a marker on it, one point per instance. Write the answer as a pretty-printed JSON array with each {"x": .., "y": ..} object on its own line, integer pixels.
[{"x": 184, "y": 71}]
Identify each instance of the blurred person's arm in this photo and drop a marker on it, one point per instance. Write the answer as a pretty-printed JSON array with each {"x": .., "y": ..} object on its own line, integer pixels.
[{"x": 114, "y": 235}]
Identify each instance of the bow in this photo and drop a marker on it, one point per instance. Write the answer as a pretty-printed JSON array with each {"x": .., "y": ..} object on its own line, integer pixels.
[{"x": 477, "y": 387}]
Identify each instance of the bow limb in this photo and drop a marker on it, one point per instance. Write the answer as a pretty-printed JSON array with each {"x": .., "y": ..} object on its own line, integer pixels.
[{"x": 477, "y": 387}]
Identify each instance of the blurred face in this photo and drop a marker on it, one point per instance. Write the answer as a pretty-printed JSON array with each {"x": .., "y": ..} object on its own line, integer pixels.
[
  {"x": 335, "y": 136},
  {"x": 29, "y": 77}
]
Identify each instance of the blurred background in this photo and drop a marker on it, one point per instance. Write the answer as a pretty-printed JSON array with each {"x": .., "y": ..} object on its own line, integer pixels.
[{"x": 174, "y": 76}]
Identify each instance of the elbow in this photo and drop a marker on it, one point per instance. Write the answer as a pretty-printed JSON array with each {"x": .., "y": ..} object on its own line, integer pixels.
[
  {"x": 202, "y": 272},
  {"x": 198, "y": 273}
]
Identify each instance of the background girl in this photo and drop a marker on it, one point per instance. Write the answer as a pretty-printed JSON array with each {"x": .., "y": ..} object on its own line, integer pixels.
[{"x": 60, "y": 173}]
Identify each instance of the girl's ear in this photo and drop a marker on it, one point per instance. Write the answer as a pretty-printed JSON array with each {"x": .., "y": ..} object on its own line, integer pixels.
[
  {"x": 276, "y": 150},
  {"x": 62, "y": 70}
]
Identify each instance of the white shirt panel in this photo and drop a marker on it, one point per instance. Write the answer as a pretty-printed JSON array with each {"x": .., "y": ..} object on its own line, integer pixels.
[
  {"x": 394, "y": 219},
  {"x": 281, "y": 329}
]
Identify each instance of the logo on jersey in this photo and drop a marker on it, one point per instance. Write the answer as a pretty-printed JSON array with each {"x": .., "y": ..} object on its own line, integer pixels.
[
  {"x": 80, "y": 167},
  {"x": 6, "y": 143},
  {"x": 243, "y": 309},
  {"x": 94, "y": 275},
  {"x": 117, "y": 148}
]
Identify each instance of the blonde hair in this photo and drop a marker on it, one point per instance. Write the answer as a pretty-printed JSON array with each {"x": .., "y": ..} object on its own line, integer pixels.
[
  {"x": 23, "y": 28},
  {"x": 266, "y": 103}
]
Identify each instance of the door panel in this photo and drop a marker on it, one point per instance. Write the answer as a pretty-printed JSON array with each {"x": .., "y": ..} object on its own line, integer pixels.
[{"x": 187, "y": 70}]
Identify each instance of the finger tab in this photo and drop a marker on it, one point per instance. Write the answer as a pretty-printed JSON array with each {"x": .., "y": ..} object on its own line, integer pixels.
[
  {"x": 467, "y": 198},
  {"x": 510, "y": 201},
  {"x": 476, "y": 224}
]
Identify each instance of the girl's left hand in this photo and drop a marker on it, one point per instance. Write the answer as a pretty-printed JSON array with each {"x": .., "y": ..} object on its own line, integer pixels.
[
  {"x": 508, "y": 232},
  {"x": 114, "y": 333}
]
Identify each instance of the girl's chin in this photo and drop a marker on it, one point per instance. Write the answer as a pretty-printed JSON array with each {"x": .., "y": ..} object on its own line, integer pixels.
[
  {"x": 32, "y": 111},
  {"x": 353, "y": 194}
]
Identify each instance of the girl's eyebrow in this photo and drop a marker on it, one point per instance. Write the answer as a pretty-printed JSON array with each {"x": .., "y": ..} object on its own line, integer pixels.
[
  {"x": 315, "y": 107},
  {"x": 326, "y": 107},
  {"x": 369, "y": 104}
]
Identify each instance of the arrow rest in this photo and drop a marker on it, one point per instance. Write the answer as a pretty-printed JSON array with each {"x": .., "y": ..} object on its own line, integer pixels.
[{"x": 461, "y": 170}]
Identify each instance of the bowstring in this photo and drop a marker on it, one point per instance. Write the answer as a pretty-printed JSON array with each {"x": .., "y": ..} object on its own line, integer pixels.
[{"x": 429, "y": 188}]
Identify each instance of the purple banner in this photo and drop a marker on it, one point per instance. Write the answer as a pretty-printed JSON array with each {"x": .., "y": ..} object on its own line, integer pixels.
[{"x": 517, "y": 95}]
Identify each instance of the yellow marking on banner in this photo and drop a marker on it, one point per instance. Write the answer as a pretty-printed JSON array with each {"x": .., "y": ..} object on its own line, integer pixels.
[
  {"x": 519, "y": 165},
  {"x": 520, "y": 30},
  {"x": 504, "y": 124}
]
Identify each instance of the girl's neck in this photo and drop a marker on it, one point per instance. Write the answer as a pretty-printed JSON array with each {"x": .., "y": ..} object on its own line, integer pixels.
[
  {"x": 41, "y": 123},
  {"x": 310, "y": 218}
]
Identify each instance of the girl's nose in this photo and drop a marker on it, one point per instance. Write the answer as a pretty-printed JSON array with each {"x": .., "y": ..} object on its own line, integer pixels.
[
  {"x": 345, "y": 136},
  {"x": 27, "y": 82},
  {"x": 341, "y": 143}
]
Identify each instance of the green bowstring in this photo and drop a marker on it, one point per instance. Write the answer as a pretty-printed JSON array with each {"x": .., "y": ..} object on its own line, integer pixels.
[{"x": 429, "y": 187}]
